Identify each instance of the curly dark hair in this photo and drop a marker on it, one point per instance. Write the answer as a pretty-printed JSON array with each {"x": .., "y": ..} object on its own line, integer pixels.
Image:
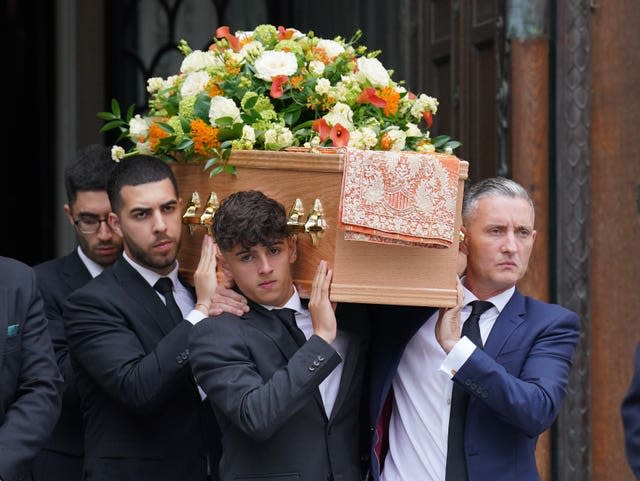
[{"x": 249, "y": 218}]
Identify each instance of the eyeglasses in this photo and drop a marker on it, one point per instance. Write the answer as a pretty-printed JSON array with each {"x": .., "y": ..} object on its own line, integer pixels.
[{"x": 90, "y": 225}]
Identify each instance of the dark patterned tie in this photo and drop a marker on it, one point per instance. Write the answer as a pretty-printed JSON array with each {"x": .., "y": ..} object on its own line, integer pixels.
[
  {"x": 288, "y": 317},
  {"x": 456, "y": 460},
  {"x": 165, "y": 287}
]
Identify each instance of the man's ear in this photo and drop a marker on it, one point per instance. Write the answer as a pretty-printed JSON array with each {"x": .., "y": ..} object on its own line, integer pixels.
[
  {"x": 223, "y": 265},
  {"x": 293, "y": 248},
  {"x": 462, "y": 246},
  {"x": 67, "y": 212},
  {"x": 114, "y": 223}
]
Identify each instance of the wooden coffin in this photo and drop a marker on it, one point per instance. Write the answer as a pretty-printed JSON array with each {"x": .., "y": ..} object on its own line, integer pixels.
[{"x": 363, "y": 272}]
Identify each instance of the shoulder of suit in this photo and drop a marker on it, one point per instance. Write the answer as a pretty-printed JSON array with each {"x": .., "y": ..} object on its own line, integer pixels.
[
  {"x": 549, "y": 310},
  {"x": 18, "y": 272}
]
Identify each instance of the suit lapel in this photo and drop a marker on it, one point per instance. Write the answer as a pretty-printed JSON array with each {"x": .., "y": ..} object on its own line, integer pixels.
[
  {"x": 74, "y": 272},
  {"x": 350, "y": 363},
  {"x": 508, "y": 320},
  {"x": 143, "y": 295},
  {"x": 5, "y": 322},
  {"x": 267, "y": 323}
]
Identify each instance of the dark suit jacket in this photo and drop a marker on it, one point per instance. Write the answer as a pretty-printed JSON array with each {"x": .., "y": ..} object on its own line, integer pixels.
[
  {"x": 517, "y": 383},
  {"x": 57, "y": 279},
  {"x": 141, "y": 407},
  {"x": 264, "y": 391},
  {"x": 30, "y": 382},
  {"x": 631, "y": 419}
]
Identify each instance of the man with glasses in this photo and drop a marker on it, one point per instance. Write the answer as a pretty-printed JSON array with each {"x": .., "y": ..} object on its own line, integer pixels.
[{"x": 98, "y": 247}]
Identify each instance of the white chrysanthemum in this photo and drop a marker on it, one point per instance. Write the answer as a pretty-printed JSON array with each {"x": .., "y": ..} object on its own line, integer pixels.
[
  {"x": 413, "y": 130},
  {"x": 424, "y": 103},
  {"x": 199, "y": 60},
  {"x": 117, "y": 153},
  {"x": 316, "y": 67},
  {"x": 154, "y": 84},
  {"x": 249, "y": 134},
  {"x": 272, "y": 63},
  {"x": 369, "y": 137},
  {"x": 171, "y": 81},
  {"x": 339, "y": 92},
  {"x": 372, "y": 70},
  {"x": 278, "y": 138},
  {"x": 397, "y": 137},
  {"x": 194, "y": 83},
  {"x": 331, "y": 48},
  {"x": 223, "y": 107},
  {"x": 138, "y": 127},
  {"x": 355, "y": 140},
  {"x": 340, "y": 114},
  {"x": 429, "y": 148},
  {"x": 322, "y": 86}
]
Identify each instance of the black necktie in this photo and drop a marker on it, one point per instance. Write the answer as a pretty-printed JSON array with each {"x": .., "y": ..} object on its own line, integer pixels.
[
  {"x": 165, "y": 287},
  {"x": 288, "y": 317},
  {"x": 456, "y": 460}
]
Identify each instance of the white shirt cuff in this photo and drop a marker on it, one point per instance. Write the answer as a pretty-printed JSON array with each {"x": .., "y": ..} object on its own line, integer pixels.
[
  {"x": 457, "y": 356},
  {"x": 195, "y": 316}
]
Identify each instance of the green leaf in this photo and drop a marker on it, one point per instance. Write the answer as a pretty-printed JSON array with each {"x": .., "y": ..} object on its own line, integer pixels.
[
  {"x": 130, "y": 112},
  {"x": 249, "y": 104},
  {"x": 111, "y": 125},
  {"x": 185, "y": 144},
  {"x": 201, "y": 107},
  {"x": 440, "y": 141},
  {"x": 454, "y": 144},
  {"x": 106, "y": 116},
  {"x": 115, "y": 108}
]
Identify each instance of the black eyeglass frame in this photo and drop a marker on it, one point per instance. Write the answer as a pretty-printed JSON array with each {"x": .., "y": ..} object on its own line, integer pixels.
[{"x": 95, "y": 221}]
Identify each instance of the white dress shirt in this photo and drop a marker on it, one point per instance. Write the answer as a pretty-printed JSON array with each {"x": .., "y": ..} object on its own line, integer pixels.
[
  {"x": 422, "y": 386},
  {"x": 92, "y": 266}
]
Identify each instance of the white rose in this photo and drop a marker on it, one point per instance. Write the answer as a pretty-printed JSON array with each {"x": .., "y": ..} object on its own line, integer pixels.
[
  {"x": 355, "y": 140},
  {"x": 413, "y": 130},
  {"x": 372, "y": 70},
  {"x": 144, "y": 148},
  {"x": 272, "y": 63},
  {"x": 223, "y": 107},
  {"x": 369, "y": 137},
  {"x": 198, "y": 60},
  {"x": 331, "y": 48},
  {"x": 322, "y": 86},
  {"x": 316, "y": 67},
  {"x": 194, "y": 83},
  {"x": 154, "y": 84},
  {"x": 138, "y": 127},
  {"x": 340, "y": 114},
  {"x": 249, "y": 134}
]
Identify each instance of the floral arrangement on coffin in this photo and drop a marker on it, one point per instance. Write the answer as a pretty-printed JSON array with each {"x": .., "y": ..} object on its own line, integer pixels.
[{"x": 274, "y": 88}]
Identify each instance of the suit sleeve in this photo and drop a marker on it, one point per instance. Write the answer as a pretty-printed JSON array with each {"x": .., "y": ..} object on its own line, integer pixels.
[
  {"x": 222, "y": 363},
  {"x": 104, "y": 344},
  {"x": 33, "y": 413},
  {"x": 53, "y": 305},
  {"x": 631, "y": 419},
  {"x": 528, "y": 397}
]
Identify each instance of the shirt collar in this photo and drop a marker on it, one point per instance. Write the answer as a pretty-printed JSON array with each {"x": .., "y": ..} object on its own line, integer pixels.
[
  {"x": 293, "y": 302},
  {"x": 150, "y": 276},
  {"x": 499, "y": 301},
  {"x": 92, "y": 266}
]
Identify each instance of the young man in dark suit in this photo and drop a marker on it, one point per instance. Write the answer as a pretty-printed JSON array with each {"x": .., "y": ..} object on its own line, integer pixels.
[
  {"x": 284, "y": 382},
  {"x": 87, "y": 211},
  {"x": 469, "y": 406},
  {"x": 127, "y": 331},
  {"x": 30, "y": 382}
]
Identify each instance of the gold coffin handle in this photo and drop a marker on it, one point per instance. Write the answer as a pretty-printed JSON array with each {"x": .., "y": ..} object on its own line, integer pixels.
[
  {"x": 295, "y": 220},
  {"x": 209, "y": 210},
  {"x": 190, "y": 215},
  {"x": 316, "y": 223}
]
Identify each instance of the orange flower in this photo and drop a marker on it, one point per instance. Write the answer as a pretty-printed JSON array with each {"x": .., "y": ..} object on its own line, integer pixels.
[
  {"x": 234, "y": 43},
  {"x": 320, "y": 54},
  {"x": 370, "y": 96},
  {"x": 156, "y": 133},
  {"x": 296, "y": 81},
  {"x": 428, "y": 118},
  {"x": 205, "y": 137},
  {"x": 386, "y": 142},
  {"x": 285, "y": 33},
  {"x": 391, "y": 97},
  {"x": 276, "y": 86},
  {"x": 339, "y": 136},
  {"x": 322, "y": 127},
  {"x": 213, "y": 89}
]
